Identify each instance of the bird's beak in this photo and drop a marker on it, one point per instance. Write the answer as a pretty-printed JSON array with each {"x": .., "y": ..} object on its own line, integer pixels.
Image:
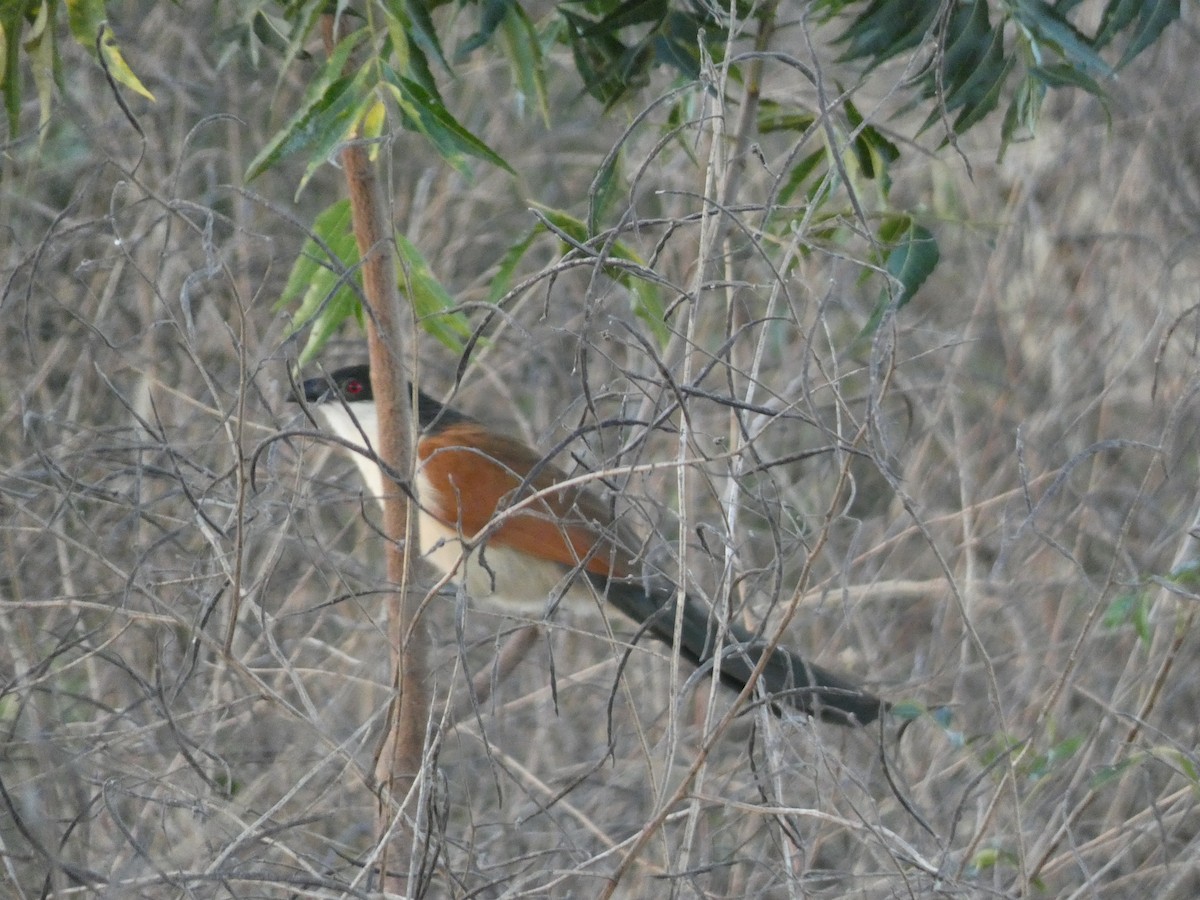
[{"x": 314, "y": 390}]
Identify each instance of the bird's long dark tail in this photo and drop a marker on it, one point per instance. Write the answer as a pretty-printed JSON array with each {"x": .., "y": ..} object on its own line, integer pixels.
[{"x": 786, "y": 677}]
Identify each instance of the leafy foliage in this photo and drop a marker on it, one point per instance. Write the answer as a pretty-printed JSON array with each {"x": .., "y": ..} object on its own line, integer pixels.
[
  {"x": 31, "y": 25},
  {"x": 971, "y": 62},
  {"x": 972, "y": 56},
  {"x": 325, "y": 288}
]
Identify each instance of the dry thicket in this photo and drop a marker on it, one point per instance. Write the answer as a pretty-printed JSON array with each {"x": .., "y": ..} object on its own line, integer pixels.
[{"x": 1008, "y": 464}]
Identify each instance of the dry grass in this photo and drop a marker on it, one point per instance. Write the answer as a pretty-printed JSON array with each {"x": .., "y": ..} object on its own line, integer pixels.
[{"x": 1024, "y": 439}]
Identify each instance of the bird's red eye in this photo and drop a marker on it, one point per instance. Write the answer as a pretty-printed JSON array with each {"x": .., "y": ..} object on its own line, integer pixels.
[{"x": 353, "y": 387}]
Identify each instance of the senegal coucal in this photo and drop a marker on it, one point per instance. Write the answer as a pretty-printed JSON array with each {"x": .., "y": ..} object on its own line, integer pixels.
[{"x": 479, "y": 523}]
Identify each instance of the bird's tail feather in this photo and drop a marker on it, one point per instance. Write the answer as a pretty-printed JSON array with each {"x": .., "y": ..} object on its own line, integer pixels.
[{"x": 787, "y": 677}]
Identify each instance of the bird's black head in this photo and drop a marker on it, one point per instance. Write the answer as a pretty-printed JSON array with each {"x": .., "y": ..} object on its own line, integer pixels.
[
  {"x": 349, "y": 385},
  {"x": 352, "y": 384}
]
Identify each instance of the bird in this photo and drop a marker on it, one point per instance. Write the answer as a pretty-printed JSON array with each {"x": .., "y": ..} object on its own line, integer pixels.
[{"x": 496, "y": 517}]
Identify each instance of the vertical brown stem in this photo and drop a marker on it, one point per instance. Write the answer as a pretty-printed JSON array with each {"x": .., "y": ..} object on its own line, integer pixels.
[{"x": 398, "y": 763}]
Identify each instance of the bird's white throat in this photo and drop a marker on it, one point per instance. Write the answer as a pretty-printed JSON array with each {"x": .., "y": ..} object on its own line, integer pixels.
[{"x": 358, "y": 424}]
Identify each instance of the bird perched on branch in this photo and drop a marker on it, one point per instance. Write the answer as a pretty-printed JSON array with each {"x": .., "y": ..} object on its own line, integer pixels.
[{"x": 503, "y": 521}]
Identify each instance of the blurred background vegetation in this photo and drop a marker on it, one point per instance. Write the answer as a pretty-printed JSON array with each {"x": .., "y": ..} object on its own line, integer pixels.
[{"x": 975, "y": 480}]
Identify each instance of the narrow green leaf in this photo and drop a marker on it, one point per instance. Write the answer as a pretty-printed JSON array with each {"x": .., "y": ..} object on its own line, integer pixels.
[
  {"x": 1046, "y": 25},
  {"x": 435, "y": 308},
  {"x": 327, "y": 102},
  {"x": 328, "y": 288},
  {"x": 425, "y": 114},
  {"x": 603, "y": 62},
  {"x": 502, "y": 282},
  {"x": 604, "y": 191},
  {"x": 491, "y": 14},
  {"x": 39, "y": 45},
  {"x": 526, "y": 59},
  {"x": 1173, "y": 756},
  {"x": 1187, "y": 574},
  {"x": 10, "y": 72},
  {"x": 887, "y": 28},
  {"x": 647, "y": 298},
  {"x": 911, "y": 258},
  {"x": 1108, "y": 774},
  {"x": 631, "y": 12},
  {"x": 975, "y": 113},
  {"x": 774, "y": 116},
  {"x": 874, "y": 152},
  {"x": 972, "y": 83},
  {"x": 969, "y": 39},
  {"x": 84, "y": 18},
  {"x": 798, "y": 174},
  {"x": 323, "y": 280},
  {"x": 418, "y": 25},
  {"x": 117, "y": 67},
  {"x": 331, "y": 228},
  {"x": 1065, "y": 75},
  {"x": 908, "y": 710},
  {"x": 340, "y": 306},
  {"x": 1155, "y": 16},
  {"x": 1130, "y": 609},
  {"x": 912, "y": 261},
  {"x": 1116, "y": 18},
  {"x": 1023, "y": 110}
]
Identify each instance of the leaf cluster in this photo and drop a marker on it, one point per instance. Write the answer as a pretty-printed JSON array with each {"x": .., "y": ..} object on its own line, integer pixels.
[
  {"x": 978, "y": 50},
  {"x": 389, "y": 69}
]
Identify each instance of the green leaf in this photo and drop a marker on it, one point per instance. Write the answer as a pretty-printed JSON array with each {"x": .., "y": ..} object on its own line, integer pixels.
[
  {"x": 10, "y": 71},
  {"x": 491, "y": 14},
  {"x": 1023, "y": 111},
  {"x": 608, "y": 68},
  {"x": 425, "y": 114},
  {"x": 1187, "y": 575},
  {"x": 1065, "y": 75},
  {"x": 874, "y": 152},
  {"x": 1045, "y": 24},
  {"x": 1116, "y": 18},
  {"x": 604, "y": 191},
  {"x": 773, "y": 117},
  {"x": 1155, "y": 16},
  {"x": 435, "y": 308},
  {"x": 41, "y": 50},
  {"x": 86, "y": 19},
  {"x": 326, "y": 112},
  {"x": 648, "y": 306},
  {"x": 631, "y": 12},
  {"x": 502, "y": 282},
  {"x": 1043, "y": 764},
  {"x": 908, "y": 711},
  {"x": 419, "y": 27},
  {"x": 969, "y": 38},
  {"x": 1130, "y": 609},
  {"x": 974, "y": 70},
  {"x": 975, "y": 112},
  {"x": 976, "y": 76},
  {"x": 323, "y": 280},
  {"x": 647, "y": 298},
  {"x": 887, "y": 28},
  {"x": 526, "y": 60},
  {"x": 1108, "y": 774},
  {"x": 991, "y": 858},
  {"x": 798, "y": 174},
  {"x": 911, "y": 258},
  {"x": 1177, "y": 759}
]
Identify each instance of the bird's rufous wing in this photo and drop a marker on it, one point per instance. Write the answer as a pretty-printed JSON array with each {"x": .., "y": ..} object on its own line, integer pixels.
[{"x": 472, "y": 473}]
